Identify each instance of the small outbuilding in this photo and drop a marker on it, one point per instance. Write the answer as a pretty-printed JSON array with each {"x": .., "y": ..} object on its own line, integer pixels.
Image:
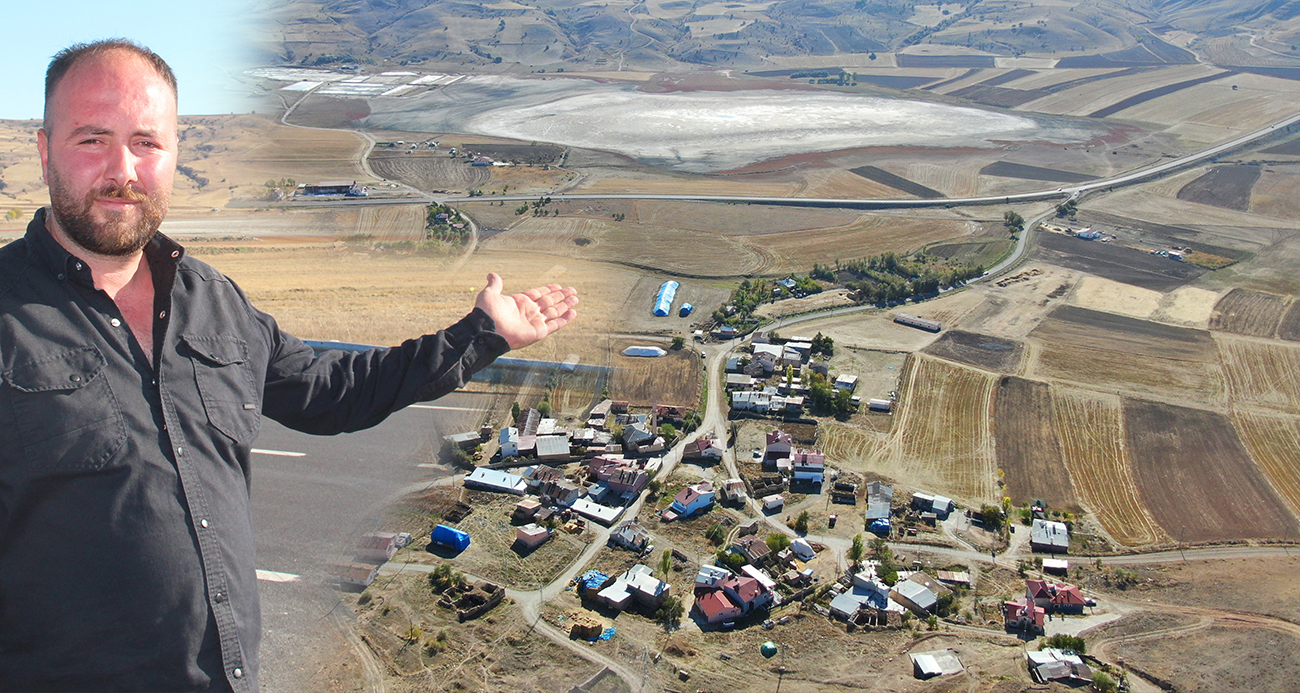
[
  {"x": 531, "y": 535},
  {"x": 450, "y": 537}
]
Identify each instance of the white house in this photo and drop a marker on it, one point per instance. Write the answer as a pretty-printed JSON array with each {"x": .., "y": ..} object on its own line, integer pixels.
[
  {"x": 509, "y": 440},
  {"x": 847, "y": 382},
  {"x": 808, "y": 465},
  {"x": 691, "y": 499}
]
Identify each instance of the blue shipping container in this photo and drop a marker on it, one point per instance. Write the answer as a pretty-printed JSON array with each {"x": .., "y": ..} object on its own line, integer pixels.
[{"x": 664, "y": 301}]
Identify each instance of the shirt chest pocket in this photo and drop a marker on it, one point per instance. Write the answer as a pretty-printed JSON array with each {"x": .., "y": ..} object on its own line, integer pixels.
[
  {"x": 225, "y": 381},
  {"x": 64, "y": 411}
]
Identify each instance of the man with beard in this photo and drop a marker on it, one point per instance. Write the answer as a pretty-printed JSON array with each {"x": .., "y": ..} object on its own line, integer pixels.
[{"x": 132, "y": 384}]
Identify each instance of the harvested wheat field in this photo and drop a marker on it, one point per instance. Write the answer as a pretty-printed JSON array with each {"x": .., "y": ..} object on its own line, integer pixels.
[
  {"x": 852, "y": 449},
  {"x": 1252, "y": 313},
  {"x": 1262, "y": 372},
  {"x": 1274, "y": 442},
  {"x": 1136, "y": 374},
  {"x": 1090, "y": 429},
  {"x": 1197, "y": 477},
  {"x": 673, "y": 379},
  {"x": 943, "y": 440},
  {"x": 1028, "y": 453}
]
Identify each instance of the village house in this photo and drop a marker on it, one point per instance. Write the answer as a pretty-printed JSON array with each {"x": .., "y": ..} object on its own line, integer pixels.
[
  {"x": 509, "y": 442},
  {"x": 539, "y": 474},
  {"x": 689, "y": 501},
  {"x": 754, "y": 549},
  {"x": 378, "y": 547},
  {"x": 627, "y": 481},
  {"x": 630, "y": 535},
  {"x": 808, "y": 465},
  {"x": 710, "y": 577},
  {"x": 1024, "y": 615},
  {"x": 526, "y": 510},
  {"x": 493, "y": 480},
  {"x": 779, "y": 444},
  {"x": 561, "y": 492},
  {"x": 716, "y": 608},
  {"x": 552, "y": 448},
  {"x": 702, "y": 449},
  {"x": 531, "y": 536},
  {"x": 638, "y": 584},
  {"x": 915, "y": 596},
  {"x": 1049, "y": 536},
  {"x": 1051, "y": 664},
  {"x": 747, "y": 593}
]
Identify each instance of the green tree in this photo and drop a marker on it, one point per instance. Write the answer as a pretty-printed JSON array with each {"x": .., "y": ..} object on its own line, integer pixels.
[
  {"x": 679, "y": 342},
  {"x": 14, "y": 213},
  {"x": 544, "y": 409},
  {"x": 716, "y": 534},
  {"x": 857, "y": 550},
  {"x": 801, "y": 523},
  {"x": 671, "y": 612},
  {"x": 993, "y": 518},
  {"x": 778, "y": 541},
  {"x": 1103, "y": 683},
  {"x": 515, "y": 412},
  {"x": 666, "y": 562},
  {"x": 1061, "y": 641},
  {"x": 668, "y": 431}
]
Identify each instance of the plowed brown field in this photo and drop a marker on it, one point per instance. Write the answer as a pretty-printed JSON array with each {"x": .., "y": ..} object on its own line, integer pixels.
[
  {"x": 1197, "y": 477},
  {"x": 943, "y": 438},
  {"x": 1263, "y": 373},
  {"x": 1028, "y": 454},
  {"x": 1247, "y": 312},
  {"x": 1130, "y": 373},
  {"x": 428, "y": 171},
  {"x": 1274, "y": 442},
  {"x": 1091, "y": 432}
]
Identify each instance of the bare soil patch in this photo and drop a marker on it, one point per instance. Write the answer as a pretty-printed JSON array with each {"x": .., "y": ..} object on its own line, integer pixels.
[
  {"x": 673, "y": 379},
  {"x": 1261, "y": 586},
  {"x": 316, "y": 111},
  {"x": 1027, "y": 449},
  {"x": 1007, "y": 169},
  {"x": 1247, "y": 312},
  {"x": 1071, "y": 325},
  {"x": 897, "y": 182},
  {"x": 428, "y": 171},
  {"x": 1289, "y": 328},
  {"x": 979, "y": 350},
  {"x": 1165, "y": 658},
  {"x": 1223, "y": 186},
  {"x": 1109, "y": 296},
  {"x": 1115, "y": 262},
  {"x": 1090, "y": 428},
  {"x": 1197, "y": 477}
]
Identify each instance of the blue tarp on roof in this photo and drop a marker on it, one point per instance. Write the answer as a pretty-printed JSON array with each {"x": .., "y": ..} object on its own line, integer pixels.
[
  {"x": 592, "y": 579},
  {"x": 664, "y": 300},
  {"x": 449, "y": 536},
  {"x": 880, "y": 526}
]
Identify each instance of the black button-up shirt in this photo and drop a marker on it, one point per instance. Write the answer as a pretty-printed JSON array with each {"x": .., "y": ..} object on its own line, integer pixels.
[{"x": 126, "y": 545}]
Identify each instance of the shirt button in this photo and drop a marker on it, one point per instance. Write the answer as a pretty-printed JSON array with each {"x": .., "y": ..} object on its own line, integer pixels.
[
  {"x": 219, "y": 597},
  {"x": 238, "y": 673},
  {"x": 78, "y": 266},
  {"x": 75, "y": 378},
  {"x": 115, "y": 322},
  {"x": 180, "y": 451},
  {"x": 61, "y": 277},
  {"x": 162, "y": 315},
  {"x": 203, "y": 523}
]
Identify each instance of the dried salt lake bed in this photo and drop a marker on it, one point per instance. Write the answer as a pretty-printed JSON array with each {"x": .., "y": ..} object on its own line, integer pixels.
[{"x": 708, "y": 130}]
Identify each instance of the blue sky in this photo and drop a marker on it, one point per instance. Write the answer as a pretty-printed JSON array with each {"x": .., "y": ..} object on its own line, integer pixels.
[{"x": 204, "y": 42}]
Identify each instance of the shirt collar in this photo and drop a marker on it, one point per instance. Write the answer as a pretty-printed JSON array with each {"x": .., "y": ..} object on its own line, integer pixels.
[{"x": 65, "y": 265}]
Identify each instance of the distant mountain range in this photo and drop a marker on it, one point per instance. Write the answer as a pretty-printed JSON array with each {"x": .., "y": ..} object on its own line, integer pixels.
[{"x": 663, "y": 34}]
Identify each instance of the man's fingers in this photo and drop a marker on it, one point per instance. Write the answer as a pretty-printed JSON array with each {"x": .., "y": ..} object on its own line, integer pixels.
[{"x": 494, "y": 283}]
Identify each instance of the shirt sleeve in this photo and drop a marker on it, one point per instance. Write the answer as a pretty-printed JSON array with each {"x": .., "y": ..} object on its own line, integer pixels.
[{"x": 343, "y": 391}]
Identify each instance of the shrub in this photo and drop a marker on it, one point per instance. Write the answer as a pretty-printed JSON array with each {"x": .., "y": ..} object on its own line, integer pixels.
[
  {"x": 1062, "y": 641},
  {"x": 778, "y": 541}
]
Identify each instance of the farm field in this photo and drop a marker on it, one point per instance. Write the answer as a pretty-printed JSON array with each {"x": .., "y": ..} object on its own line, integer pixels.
[
  {"x": 673, "y": 379},
  {"x": 1027, "y": 445},
  {"x": 1251, "y": 313},
  {"x": 1115, "y": 262},
  {"x": 1273, "y": 441},
  {"x": 1131, "y": 373},
  {"x": 1289, "y": 328},
  {"x": 1188, "y": 306},
  {"x": 1096, "y": 293},
  {"x": 1262, "y": 372},
  {"x": 978, "y": 350},
  {"x": 1223, "y": 186},
  {"x": 428, "y": 171},
  {"x": 1198, "y": 479},
  {"x": 942, "y": 439},
  {"x": 1090, "y": 428},
  {"x": 1274, "y": 193},
  {"x": 1070, "y": 325}
]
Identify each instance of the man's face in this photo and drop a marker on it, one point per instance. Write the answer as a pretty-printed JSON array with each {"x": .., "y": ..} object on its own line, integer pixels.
[{"x": 109, "y": 153}]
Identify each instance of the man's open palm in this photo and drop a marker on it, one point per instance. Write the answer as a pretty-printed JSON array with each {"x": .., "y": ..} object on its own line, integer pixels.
[{"x": 527, "y": 317}]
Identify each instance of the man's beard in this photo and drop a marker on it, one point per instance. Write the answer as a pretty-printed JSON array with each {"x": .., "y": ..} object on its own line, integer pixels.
[{"x": 117, "y": 235}]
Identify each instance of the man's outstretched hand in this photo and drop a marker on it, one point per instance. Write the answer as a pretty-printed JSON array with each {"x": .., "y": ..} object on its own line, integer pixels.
[{"x": 528, "y": 317}]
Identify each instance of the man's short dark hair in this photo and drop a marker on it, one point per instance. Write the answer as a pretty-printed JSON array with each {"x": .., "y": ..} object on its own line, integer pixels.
[{"x": 67, "y": 58}]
